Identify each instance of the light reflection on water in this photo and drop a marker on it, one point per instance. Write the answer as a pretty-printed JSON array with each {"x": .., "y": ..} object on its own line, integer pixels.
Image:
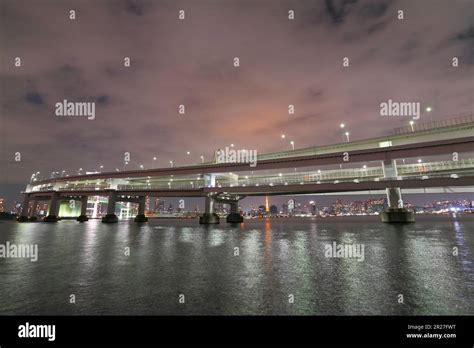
[{"x": 276, "y": 258}]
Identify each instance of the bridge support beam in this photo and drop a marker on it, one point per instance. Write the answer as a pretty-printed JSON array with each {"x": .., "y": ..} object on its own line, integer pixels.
[
  {"x": 83, "y": 217},
  {"x": 33, "y": 211},
  {"x": 234, "y": 216},
  {"x": 395, "y": 213},
  {"x": 209, "y": 217},
  {"x": 24, "y": 209},
  {"x": 111, "y": 217},
  {"x": 53, "y": 208},
  {"x": 141, "y": 210}
]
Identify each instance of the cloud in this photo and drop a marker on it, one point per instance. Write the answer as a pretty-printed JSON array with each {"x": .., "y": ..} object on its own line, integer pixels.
[
  {"x": 190, "y": 62},
  {"x": 338, "y": 9}
]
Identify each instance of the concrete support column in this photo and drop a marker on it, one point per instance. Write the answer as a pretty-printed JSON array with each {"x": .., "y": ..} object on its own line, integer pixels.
[
  {"x": 394, "y": 196},
  {"x": 209, "y": 217},
  {"x": 234, "y": 216},
  {"x": 234, "y": 207},
  {"x": 33, "y": 208},
  {"x": 53, "y": 208},
  {"x": 395, "y": 211},
  {"x": 141, "y": 210},
  {"x": 33, "y": 211},
  {"x": 209, "y": 205},
  {"x": 83, "y": 217},
  {"x": 111, "y": 217},
  {"x": 24, "y": 208}
]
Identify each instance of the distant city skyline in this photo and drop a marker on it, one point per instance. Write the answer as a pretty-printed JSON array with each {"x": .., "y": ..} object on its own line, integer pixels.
[{"x": 320, "y": 201}]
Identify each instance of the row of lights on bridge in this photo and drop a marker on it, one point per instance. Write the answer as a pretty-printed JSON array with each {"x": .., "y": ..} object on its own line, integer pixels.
[{"x": 283, "y": 136}]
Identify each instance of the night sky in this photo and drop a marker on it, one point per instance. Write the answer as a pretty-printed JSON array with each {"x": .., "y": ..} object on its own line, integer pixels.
[{"x": 191, "y": 62}]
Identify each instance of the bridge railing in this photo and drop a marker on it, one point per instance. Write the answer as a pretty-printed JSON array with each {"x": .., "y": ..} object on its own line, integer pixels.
[
  {"x": 432, "y": 169},
  {"x": 427, "y": 126},
  {"x": 435, "y": 166}
]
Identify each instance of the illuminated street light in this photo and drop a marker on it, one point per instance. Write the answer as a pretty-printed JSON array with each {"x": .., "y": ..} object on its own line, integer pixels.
[
  {"x": 202, "y": 159},
  {"x": 428, "y": 109},
  {"x": 292, "y": 145},
  {"x": 342, "y": 125},
  {"x": 141, "y": 166},
  {"x": 347, "y": 136},
  {"x": 188, "y": 153},
  {"x": 172, "y": 164},
  {"x": 411, "y": 125},
  {"x": 283, "y": 136}
]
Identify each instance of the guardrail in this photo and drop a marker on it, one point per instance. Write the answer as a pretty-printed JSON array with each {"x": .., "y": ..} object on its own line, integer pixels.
[
  {"x": 428, "y": 126},
  {"x": 349, "y": 174}
]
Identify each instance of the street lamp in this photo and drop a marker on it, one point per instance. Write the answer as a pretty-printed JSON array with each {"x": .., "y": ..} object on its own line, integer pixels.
[
  {"x": 188, "y": 153},
  {"x": 428, "y": 110},
  {"x": 171, "y": 163},
  {"x": 283, "y": 136},
  {"x": 347, "y": 136},
  {"x": 141, "y": 166},
  {"x": 411, "y": 125},
  {"x": 342, "y": 125},
  {"x": 202, "y": 159},
  {"x": 292, "y": 145}
]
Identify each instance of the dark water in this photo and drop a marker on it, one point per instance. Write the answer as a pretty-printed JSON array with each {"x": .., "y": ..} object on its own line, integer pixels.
[{"x": 277, "y": 258}]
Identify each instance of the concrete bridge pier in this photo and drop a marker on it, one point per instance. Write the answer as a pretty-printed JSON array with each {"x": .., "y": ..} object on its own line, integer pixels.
[
  {"x": 209, "y": 217},
  {"x": 234, "y": 216},
  {"x": 141, "y": 210},
  {"x": 33, "y": 211},
  {"x": 24, "y": 209},
  {"x": 53, "y": 208},
  {"x": 83, "y": 217},
  {"x": 396, "y": 212},
  {"x": 111, "y": 217}
]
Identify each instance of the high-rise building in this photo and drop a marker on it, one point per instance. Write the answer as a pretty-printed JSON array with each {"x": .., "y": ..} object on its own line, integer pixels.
[
  {"x": 159, "y": 205},
  {"x": 273, "y": 209},
  {"x": 2, "y": 205}
]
